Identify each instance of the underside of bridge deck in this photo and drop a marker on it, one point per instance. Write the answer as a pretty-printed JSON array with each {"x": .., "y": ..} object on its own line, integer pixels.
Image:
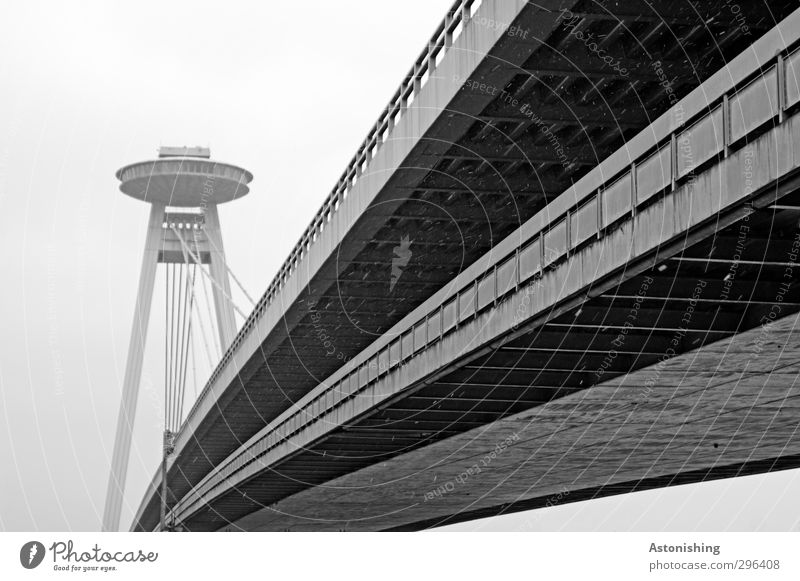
[
  {"x": 715, "y": 289},
  {"x": 538, "y": 113},
  {"x": 726, "y": 410}
]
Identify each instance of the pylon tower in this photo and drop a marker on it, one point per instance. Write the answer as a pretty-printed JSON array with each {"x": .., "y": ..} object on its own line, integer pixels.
[{"x": 183, "y": 187}]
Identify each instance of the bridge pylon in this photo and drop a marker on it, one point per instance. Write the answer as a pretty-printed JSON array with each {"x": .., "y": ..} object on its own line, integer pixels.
[{"x": 183, "y": 187}]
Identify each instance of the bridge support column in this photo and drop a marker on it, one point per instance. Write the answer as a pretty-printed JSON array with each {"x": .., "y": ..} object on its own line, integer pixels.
[
  {"x": 226, "y": 324},
  {"x": 133, "y": 371}
]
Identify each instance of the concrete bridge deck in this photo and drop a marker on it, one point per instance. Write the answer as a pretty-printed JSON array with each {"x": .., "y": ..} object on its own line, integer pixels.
[
  {"x": 728, "y": 410},
  {"x": 578, "y": 242}
]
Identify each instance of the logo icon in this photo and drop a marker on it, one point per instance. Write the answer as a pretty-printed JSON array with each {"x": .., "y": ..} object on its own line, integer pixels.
[
  {"x": 402, "y": 254},
  {"x": 31, "y": 554}
]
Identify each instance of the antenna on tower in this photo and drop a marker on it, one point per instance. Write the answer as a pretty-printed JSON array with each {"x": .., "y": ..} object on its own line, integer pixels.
[{"x": 183, "y": 187}]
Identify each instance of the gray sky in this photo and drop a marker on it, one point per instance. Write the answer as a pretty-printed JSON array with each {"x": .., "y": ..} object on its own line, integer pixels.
[{"x": 285, "y": 89}]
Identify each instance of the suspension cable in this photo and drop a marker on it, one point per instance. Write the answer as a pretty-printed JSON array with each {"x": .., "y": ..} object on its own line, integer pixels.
[
  {"x": 211, "y": 278},
  {"x": 230, "y": 272},
  {"x": 203, "y": 334},
  {"x": 171, "y": 360},
  {"x": 166, "y": 343},
  {"x": 212, "y": 359},
  {"x": 194, "y": 369},
  {"x": 189, "y": 296},
  {"x": 179, "y": 343},
  {"x": 214, "y": 336}
]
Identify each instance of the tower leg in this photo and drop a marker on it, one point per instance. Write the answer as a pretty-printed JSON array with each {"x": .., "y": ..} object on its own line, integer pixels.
[
  {"x": 133, "y": 372},
  {"x": 226, "y": 324}
]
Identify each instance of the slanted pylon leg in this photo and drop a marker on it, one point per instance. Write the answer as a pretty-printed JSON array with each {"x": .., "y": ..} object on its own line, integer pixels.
[
  {"x": 223, "y": 305},
  {"x": 133, "y": 371}
]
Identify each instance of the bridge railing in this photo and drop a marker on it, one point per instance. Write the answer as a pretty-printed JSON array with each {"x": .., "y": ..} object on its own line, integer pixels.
[
  {"x": 740, "y": 114},
  {"x": 451, "y": 27},
  {"x": 757, "y": 100}
]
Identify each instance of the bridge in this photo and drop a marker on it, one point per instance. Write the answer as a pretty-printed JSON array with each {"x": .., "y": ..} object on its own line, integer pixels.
[{"x": 562, "y": 265}]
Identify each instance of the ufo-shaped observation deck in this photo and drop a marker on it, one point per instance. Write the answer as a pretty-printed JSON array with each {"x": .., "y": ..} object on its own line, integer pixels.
[{"x": 184, "y": 181}]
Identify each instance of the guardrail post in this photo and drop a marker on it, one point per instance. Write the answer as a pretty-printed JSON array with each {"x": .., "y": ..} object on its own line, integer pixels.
[
  {"x": 673, "y": 160},
  {"x": 465, "y": 10},
  {"x": 448, "y": 32},
  {"x": 726, "y": 125},
  {"x": 781, "y": 88}
]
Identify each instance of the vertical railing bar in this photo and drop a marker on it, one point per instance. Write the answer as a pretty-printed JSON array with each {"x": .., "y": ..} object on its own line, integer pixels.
[
  {"x": 781, "y": 78},
  {"x": 726, "y": 125},
  {"x": 673, "y": 160}
]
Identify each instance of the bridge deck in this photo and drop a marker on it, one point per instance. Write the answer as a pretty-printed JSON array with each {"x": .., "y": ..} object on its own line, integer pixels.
[
  {"x": 480, "y": 145},
  {"x": 728, "y": 410}
]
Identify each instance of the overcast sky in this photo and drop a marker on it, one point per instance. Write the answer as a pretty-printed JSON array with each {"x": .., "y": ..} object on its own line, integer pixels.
[{"x": 287, "y": 90}]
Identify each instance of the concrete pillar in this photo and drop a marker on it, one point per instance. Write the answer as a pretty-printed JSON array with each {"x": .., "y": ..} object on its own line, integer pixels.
[
  {"x": 133, "y": 371},
  {"x": 226, "y": 323}
]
